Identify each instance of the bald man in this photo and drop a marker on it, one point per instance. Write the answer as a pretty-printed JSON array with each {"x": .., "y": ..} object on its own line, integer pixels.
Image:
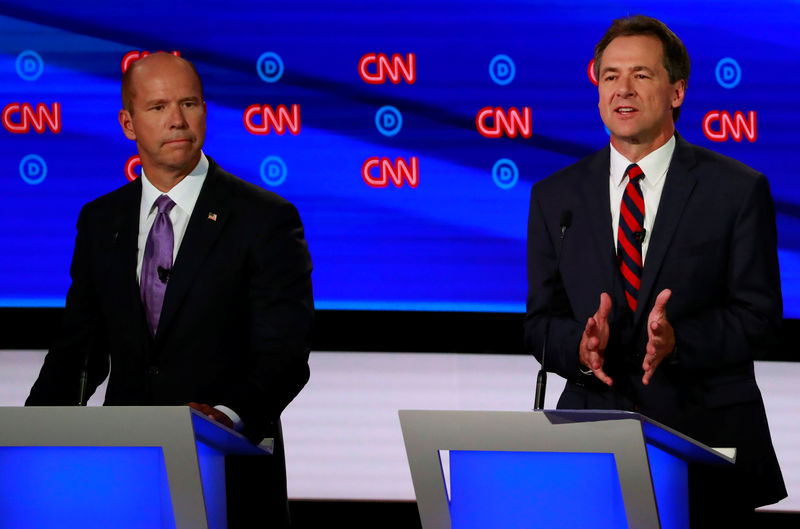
[{"x": 192, "y": 283}]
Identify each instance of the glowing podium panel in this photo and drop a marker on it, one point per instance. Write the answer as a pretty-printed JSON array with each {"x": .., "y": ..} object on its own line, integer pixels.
[
  {"x": 549, "y": 469},
  {"x": 100, "y": 467}
]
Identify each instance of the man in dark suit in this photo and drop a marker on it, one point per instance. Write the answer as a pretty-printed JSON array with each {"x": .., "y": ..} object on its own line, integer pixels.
[
  {"x": 668, "y": 285},
  {"x": 193, "y": 284}
]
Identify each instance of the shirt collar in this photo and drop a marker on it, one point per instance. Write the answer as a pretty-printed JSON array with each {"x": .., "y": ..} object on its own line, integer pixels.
[
  {"x": 654, "y": 165},
  {"x": 184, "y": 194}
]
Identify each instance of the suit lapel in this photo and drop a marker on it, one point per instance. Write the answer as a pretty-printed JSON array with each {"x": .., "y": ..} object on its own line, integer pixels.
[
  {"x": 595, "y": 199},
  {"x": 205, "y": 225},
  {"x": 122, "y": 271},
  {"x": 680, "y": 182}
]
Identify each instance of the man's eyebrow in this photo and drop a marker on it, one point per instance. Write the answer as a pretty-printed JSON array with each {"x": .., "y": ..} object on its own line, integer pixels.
[{"x": 615, "y": 69}]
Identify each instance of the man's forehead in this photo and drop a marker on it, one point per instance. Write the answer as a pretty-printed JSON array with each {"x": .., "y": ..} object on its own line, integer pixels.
[
  {"x": 161, "y": 66},
  {"x": 633, "y": 51}
]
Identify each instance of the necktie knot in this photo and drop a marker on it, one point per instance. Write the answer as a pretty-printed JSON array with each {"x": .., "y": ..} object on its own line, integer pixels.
[
  {"x": 634, "y": 173},
  {"x": 164, "y": 204}
]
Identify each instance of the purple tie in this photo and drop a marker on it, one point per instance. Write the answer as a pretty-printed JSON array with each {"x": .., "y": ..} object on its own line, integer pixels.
[{"x": 157, "y": 262}]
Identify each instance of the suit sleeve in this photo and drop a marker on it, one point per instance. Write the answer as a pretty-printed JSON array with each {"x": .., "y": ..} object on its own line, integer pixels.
[
  {"x": 79, "y": 339},
  {"x": 281, "y": 308},
  {"x": 732, "y": 330},
  {"x": 549, "y": 314}
]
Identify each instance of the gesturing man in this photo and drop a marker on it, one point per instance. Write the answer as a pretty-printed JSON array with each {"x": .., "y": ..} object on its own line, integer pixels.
[{"x": 668, "y": 283}]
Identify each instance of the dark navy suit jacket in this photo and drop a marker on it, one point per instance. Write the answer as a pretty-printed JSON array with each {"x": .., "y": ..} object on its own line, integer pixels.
[
  {"x": 237, "y": 312},
  {"x": 714, "y": 244}
]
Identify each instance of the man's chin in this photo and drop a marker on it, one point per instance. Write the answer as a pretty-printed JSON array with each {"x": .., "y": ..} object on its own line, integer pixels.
[{"x": 629, "y": 138}]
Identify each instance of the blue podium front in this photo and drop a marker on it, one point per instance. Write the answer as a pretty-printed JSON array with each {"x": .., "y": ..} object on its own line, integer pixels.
[{"x": 131, "y": 467}]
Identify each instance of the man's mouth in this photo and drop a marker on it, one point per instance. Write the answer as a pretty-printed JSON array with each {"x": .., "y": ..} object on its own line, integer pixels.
[{"x": 625, "y": 110}]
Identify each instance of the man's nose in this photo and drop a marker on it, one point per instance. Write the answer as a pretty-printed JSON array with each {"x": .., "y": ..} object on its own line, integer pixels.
[
  {"x": 176, "y": 118},
  {"x": 624, "y": 87}
]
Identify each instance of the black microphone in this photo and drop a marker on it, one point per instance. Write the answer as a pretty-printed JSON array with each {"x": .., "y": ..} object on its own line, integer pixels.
[
  {"x": 640, "y": 235},
  {"x": 164, "y": 273},
  {"x": 541, "y": 378},
  {"x": 84, "y": 380}
]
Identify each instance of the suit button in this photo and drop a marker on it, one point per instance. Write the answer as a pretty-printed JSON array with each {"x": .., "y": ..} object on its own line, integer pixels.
[{"x": 152, "y": 370}]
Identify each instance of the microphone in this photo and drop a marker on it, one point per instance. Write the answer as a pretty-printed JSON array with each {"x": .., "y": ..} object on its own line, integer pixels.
[
  {"x": 164, "y": 273},
  {"x": 541, "y": 379},
  {"x": 84, "y": 380},
  {"x": 640, "y": 235}
]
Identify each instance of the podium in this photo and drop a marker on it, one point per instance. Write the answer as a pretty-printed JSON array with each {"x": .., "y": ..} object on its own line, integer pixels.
[
  {"x": 100, "y": 467},
  {"x": 550, "y": 469}
]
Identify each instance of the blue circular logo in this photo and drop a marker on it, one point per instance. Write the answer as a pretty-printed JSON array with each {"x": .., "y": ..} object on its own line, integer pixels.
[
  {"x": 269, "y": 67},
  {"x": 728, "y": 73},
  {"x": 33, "y": 169},
  {"x": 389, "y": 120},
  {"x": 502, "y": 69},
  {"x": 29, "y": 65},
  {"x": 505, "y": 173},
  {"x": 273, "y": 171}
]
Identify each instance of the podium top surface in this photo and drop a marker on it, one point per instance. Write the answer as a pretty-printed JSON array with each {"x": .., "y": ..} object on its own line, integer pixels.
[
  {"x": 590, "y": 430},
  {"x": 118, "y": 426}
]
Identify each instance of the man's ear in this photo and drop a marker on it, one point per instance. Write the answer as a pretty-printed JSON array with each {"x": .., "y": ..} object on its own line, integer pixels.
[
  {"x": 679, "y": 91},
  {"x": 126, "y": 122}
]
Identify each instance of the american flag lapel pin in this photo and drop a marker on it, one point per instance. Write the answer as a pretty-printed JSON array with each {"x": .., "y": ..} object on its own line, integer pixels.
[{"x": 212, "y": 216}]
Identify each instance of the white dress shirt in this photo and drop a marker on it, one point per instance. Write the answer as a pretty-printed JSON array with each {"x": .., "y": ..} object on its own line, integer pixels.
[
  {"x": 184, "y": 194},
  {"x": 654, "y": 166}
]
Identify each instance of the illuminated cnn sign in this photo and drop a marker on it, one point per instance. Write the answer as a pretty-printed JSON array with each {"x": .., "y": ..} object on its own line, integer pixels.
[
  {"x": 20, "y": 117},
  {"x": 377, "y": 172},
  {"x": 279, "y": 119},
  {"x": 394, "y": 69},
  {"x": 130, "y": 167},
  {"x": 493, "y": 122},
  {"x": 719, "y": 126},
  {"x": 132, "y": 56}
]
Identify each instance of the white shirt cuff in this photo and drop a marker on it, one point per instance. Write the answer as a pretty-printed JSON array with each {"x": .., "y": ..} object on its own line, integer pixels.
[{"x": 238, "y": 425}]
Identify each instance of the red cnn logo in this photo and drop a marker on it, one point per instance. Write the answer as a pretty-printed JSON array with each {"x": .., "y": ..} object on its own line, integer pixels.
[
  {"x": 511, "y": 122},
  {"x": 736, "y": 127},
  {"x": 136, "y": 55},
  {"x": 130, "y": 167},
  {"x": 590, "y": 71},
  {"x": 51, "y": 118},
  {"x": 396, "y": 172},
  {"x": 278, "y": 120},
  {"x": 394, "y": 68}
]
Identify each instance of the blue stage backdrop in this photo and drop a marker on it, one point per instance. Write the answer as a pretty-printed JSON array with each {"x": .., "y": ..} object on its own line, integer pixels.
[{"x": 408, "y": 133}]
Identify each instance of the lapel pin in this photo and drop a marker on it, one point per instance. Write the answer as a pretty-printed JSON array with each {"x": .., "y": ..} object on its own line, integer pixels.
[{"x": 212, "y": 216}]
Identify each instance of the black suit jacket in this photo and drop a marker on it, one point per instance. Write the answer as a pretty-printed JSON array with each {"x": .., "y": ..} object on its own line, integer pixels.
[
  {"x": 237, "y": 312},
  {"x": 714, "y": 244}
]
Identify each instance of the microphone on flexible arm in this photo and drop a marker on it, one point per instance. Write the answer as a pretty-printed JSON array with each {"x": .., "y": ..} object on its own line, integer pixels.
[
  {"x": 541, "y": 379},
  {"x": 84, "y": 380}
]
